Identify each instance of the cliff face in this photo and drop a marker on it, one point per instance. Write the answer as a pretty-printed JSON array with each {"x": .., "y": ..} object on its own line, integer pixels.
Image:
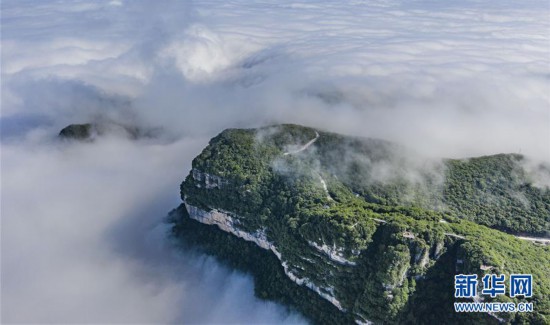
[
  {"x": 227, "y": 223},
  {"x": 410, "y": 254},
  {"x": 277, "y": 188}
]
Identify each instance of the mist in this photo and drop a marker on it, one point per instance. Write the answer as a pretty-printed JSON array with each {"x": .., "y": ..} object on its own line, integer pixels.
[{"x": 83, "y": 238}]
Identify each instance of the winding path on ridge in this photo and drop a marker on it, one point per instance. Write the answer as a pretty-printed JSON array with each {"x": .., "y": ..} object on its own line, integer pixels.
[
  {"x": 541, "y": 240},
  {"x": 304, "y": 147}
]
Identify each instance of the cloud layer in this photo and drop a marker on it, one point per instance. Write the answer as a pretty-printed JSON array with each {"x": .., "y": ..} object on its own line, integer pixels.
[
  {"x": 449, "y": 79},
  {"x": 82, "y": 238}
]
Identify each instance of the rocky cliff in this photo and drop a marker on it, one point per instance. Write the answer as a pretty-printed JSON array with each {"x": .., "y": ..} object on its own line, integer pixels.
[{"x": 287, "y": 191}]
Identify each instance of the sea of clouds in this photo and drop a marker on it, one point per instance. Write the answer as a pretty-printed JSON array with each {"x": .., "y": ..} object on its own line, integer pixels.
[{"x": 82, "y": 233}]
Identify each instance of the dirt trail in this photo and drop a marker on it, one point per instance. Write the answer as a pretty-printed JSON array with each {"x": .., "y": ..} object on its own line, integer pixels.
[{"x": 304, "y": 147}]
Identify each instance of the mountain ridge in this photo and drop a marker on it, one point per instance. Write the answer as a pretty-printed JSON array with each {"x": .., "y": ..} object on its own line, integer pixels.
[{"x": 371, "y": 258}]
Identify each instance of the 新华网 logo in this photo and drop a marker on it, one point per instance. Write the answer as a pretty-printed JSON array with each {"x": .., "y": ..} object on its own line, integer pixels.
[{"x": 493, "y": 285}]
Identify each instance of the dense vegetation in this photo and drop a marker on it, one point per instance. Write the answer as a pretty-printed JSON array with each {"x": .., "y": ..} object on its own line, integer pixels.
[
  {"x": 496, "y": 191},
  {"x": 394, "y": 219}
]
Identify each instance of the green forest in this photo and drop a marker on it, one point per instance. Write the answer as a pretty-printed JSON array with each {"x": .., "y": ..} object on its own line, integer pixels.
[{"x": 403, "y": 226}]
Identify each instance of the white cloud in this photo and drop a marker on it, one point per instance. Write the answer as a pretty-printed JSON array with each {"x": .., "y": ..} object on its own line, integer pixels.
[
  {"x": 202, "y": 54},
  {"x": 83, "y": 241},
  {"x": 447, "y": 78}
]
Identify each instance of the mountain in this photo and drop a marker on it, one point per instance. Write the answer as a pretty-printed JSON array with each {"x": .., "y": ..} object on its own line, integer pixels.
[
  {"x": 347, "y": 229},
  {"x": 90, "y": 131}
]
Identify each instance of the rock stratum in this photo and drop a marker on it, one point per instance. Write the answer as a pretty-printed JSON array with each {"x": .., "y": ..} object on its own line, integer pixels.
[{"x": 353, "y": 230}]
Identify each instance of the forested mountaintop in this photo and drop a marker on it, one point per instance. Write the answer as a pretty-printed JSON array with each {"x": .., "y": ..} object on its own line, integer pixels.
[
  {"x": 494, "y": 191},
  {"x": 364, "y": 224}
]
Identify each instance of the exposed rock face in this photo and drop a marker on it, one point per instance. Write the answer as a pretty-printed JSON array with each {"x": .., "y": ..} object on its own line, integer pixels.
[
  {"x": 207, "y": 180},
  {"x": 326, "y": 293},
  {"x": 334, "y": 253},
  {"x": 225, "y": 222}
]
